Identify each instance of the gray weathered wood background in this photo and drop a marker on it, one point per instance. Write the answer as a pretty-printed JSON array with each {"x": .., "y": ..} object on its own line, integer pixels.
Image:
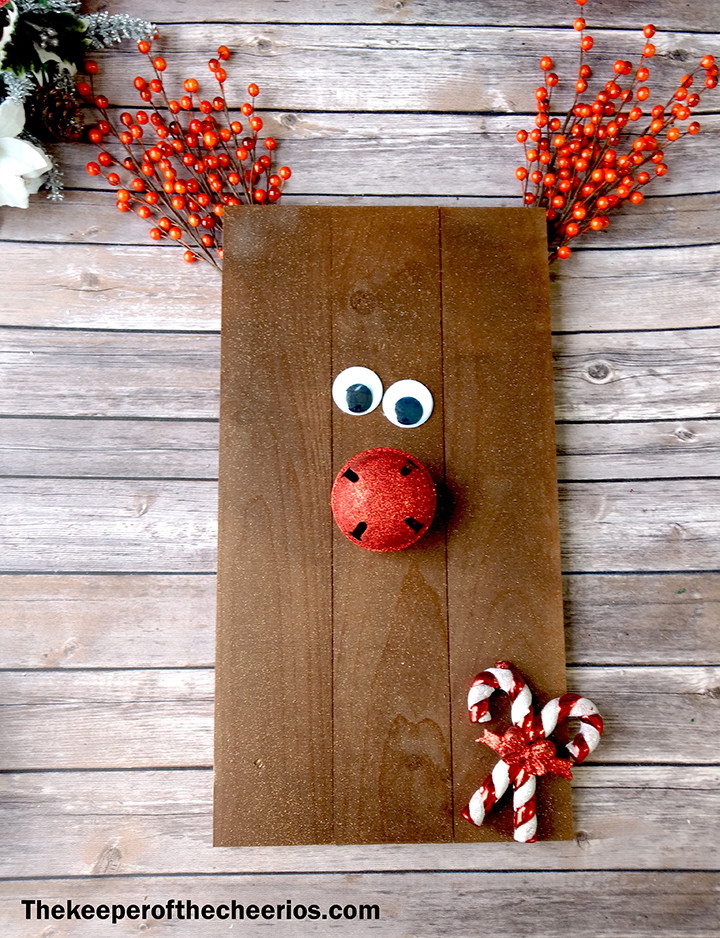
[{"x": 108, "y": 436}]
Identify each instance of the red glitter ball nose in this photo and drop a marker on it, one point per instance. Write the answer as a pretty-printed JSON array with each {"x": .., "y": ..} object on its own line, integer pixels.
[{"x": 383, "y": 499}]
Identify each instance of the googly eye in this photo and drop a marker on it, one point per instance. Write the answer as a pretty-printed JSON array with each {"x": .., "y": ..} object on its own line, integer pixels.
[
  {"x": 407, "y": 403},
  {"x": 357, "y": 390}
]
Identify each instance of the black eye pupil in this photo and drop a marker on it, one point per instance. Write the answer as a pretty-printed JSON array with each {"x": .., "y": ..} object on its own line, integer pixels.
[
  {"x": 359, "y": 398},
  {"x": 408, "y": 411}
]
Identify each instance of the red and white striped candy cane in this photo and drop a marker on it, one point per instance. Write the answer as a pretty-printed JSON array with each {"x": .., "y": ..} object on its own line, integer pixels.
[
  {"x": 525, "y": 751},
  {"x": 574, "y": 707},
  {"x": 491, "y": 790},
  {"x": 525, "y": 808},
  {"x": 502, "y": 677},
  {"x": 506, "y": 678},
  {"x": 569, "y": 706}
]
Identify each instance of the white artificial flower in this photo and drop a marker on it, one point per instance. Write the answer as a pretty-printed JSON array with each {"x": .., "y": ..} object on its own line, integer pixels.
[
  {"x": 6, "y": 34},
  {"x": 22, "y": 165}
]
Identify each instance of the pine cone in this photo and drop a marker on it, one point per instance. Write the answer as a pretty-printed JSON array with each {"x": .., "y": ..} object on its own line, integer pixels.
[{"x": 53, "y": 114}]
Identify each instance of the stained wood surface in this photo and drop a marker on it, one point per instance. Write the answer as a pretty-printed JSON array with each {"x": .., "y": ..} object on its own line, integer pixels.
[
  {"x": 108, "y": 451},
  {"x": 503, "y": 552},
  {"x": 274, "y": 688},
  {"x": 392, "y": 772}
]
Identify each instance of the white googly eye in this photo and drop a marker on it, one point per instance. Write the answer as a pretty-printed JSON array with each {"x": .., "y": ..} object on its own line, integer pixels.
[
  {"x": 357, "y": 390},
  {"x": 407, "y": 403}
]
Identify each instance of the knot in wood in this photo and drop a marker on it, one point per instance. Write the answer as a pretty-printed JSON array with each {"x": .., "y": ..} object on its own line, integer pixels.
[
  {"x": 685, "y": 434},
  {"x": 262, "y": 44},
  {"x": 599, "y": 372},
  {"x": 109, "y": 861}
]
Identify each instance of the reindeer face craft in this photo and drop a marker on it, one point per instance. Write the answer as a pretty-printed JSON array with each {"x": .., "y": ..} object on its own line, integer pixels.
[
  {"x": 373, "y": 359},
  {"x": 383, "y": 499}
]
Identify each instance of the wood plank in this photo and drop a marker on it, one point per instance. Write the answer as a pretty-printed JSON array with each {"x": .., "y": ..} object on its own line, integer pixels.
[
  {"x": 88, "y": 287},
  {"x": 596, "y": 518},
  {"x": 640, "y": 368},
  {"x": 148, "y": 621},
  {"x": 467, "y": 154},
  {"x": 108, "y": 621},
  {"x": 613, "y": 376},
  {"x": 157, "y": 449},
  {"x": 434, "y": 68},
  {"x": 503, "y": 541},
  {"x": 141, "y": 449},
  {"x": 274, "y": 664},
  {"x": 118, "y": 526},
  {"x": 163, "y": 718},
  {"x": 107, "y": 374},
  {"x": 132, "y": 823},
  {"x": 108, "y": 526},
  {"x": 90, "y": 217},
  {"x": 665, "y": 449},
  {"x": 390, "y": 677},
  {"x": 649, "y": 905},
  {"x": 629, "y": 14},
  {"x": 632, "y": 619}
]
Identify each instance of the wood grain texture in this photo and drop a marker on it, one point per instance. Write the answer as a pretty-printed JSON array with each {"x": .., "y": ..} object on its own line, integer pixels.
[
  {"x": 392, "y": 769},
  {"x": 637, "y": 450},
  {"x": 274, "y": 666},
  {"x": 170, "y": 449},
  {"x": 108, "y": 621},
  {"x": 613, "y": 13},
  {"x": 90, "y": 217},
  {"x": 156, "y": 621},
  {"x": 434, "y": 68},
  {"x": 503, "y": 542},
  {"x": 104, "y": 526},
  {"x": 644, "y": 375},
  {"x": 80, "y": 266},
  {"x": 653, "y": 905},
  {"x": 163, "y": 718},
  {"x": 132, "y": 823},
  {"x": 99, "y": 448}
]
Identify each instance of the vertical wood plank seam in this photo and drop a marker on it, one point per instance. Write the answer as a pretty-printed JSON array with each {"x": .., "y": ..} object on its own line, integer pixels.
[
  {"x": 331, "y": 320},
  {"x": 445, "y": 495}
]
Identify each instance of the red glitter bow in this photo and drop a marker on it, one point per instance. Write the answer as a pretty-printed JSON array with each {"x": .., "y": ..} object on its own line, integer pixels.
[{"x": 519, "y": 753}]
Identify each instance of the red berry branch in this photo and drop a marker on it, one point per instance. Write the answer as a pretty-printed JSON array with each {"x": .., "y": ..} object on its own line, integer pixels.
[
  {"x": 182, "y": 181},
  {"x": 607, "y": 148}
]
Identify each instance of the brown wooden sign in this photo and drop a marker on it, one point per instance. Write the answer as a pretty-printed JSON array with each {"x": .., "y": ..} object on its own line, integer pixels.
[{"x": 342, "y": 673}]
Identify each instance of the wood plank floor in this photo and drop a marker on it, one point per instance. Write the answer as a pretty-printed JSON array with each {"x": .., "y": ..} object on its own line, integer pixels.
[{"x": 109, "y": 356}]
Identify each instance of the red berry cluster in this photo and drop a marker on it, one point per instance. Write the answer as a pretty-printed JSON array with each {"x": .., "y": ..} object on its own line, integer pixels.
[
  {"x": 581, "y": 167},
  {"x": 182, "y": 181}
]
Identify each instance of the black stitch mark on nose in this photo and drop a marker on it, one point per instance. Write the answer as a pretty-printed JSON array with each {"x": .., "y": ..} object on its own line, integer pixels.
[
  {"x": 407, "y": 468},
  {"x": 352, "y": 476},
  {"x": 360, "y": 529},
  {"x": 415, "y": 525}
]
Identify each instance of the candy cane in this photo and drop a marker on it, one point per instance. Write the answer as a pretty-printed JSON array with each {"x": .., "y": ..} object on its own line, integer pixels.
[
  {"x": 573, "y": 706},
  {"x": 491, "y": 790},
  {"x": 524, "y": 751},
  {"x": 502, "y": 677},
  {"x": 506, "y": 678},
  {"x": 524, "y": 806}
]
